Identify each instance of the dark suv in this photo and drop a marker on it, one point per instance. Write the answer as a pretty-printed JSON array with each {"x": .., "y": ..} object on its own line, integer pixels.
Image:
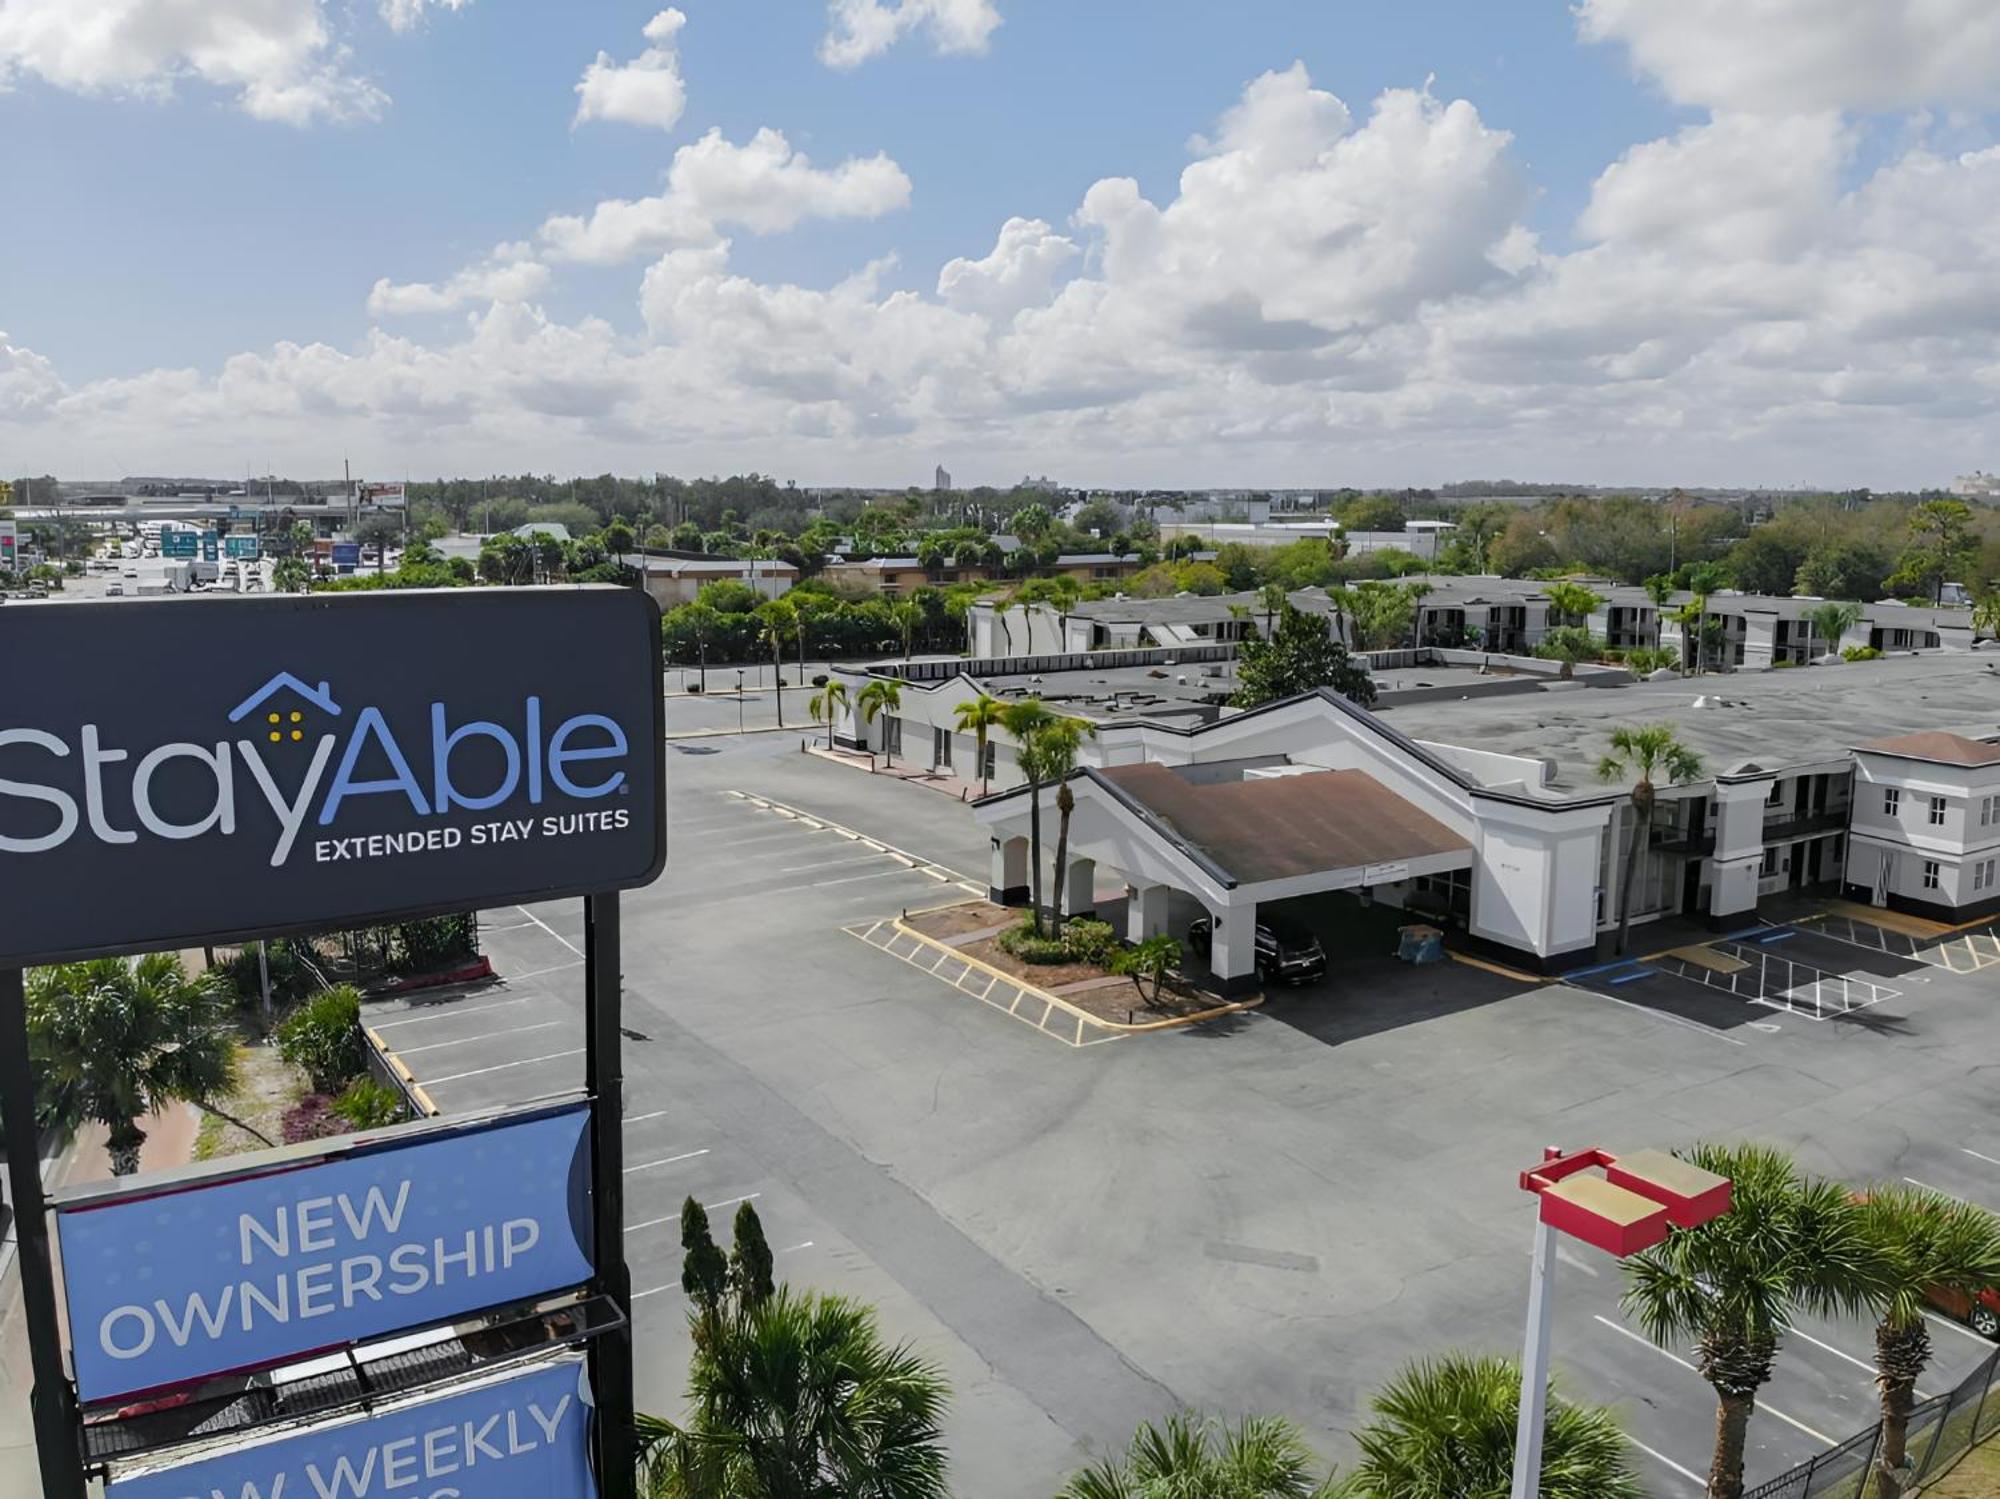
[{"x": 1286, "y": 952}]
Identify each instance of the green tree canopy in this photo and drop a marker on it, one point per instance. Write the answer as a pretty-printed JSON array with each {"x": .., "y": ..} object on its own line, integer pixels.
[{"x": 1301, "y": 656}]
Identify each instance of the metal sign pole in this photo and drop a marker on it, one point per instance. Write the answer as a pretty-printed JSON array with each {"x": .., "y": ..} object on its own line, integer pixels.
[
  {"x": 610, "y": 1353},
  {"x": 52, "y": 1403}
]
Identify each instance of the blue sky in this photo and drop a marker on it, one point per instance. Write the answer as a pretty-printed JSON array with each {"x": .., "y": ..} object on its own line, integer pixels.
[{"x": 164, "y": 221}]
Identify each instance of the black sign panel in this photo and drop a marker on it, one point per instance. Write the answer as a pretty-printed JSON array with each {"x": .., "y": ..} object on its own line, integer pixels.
[{"x": 202, "y": 770}]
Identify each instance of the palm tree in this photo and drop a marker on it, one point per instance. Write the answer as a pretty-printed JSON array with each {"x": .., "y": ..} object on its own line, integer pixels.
[
  {"x": 1001, "y": 606},
  {"x": 1690, "y": 617},
  {"x": 1568, "y": 644},
  {"x": 1260, "y": 1457},
  {"x": 1572, "y": 602},
  {"x": 794, "y": 1396},
  {"x": 907, "y": 615},
  {"x": 1830, "y": 621},
  {"x": 1986, "y": 615},
  {"x": 1788, "y": 1244},
  {"x": 1446, "y": 1427},
  {"x": 1057, "y": 746},
  {"x": 116, "y": 1040},
  {"x": 829, "y": 701},
  {"x": 781, "y": 618},
  {"x": 878, "y": 696},
  {"x": 1923, "y": 1241},
  {"x": 1659, "y": 588},
  {"x": 1271, "y": 599},
  {"x": 1026, "y": 720},
  {"x": 977, "y": 717},
  {"x": 1644, "y": 752}
]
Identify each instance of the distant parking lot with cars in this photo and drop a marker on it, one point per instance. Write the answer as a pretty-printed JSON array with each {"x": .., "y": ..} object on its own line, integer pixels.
[{"x": 1272, "y": 1212}]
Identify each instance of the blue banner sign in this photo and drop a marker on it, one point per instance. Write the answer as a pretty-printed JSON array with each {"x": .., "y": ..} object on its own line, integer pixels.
[
  {"x": 246, "y": 1271},
  {"x": 526, "y": 1437}
]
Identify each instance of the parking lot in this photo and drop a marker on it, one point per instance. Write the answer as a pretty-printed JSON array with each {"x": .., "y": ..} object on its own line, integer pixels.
[{"x": 1272, "y": 1213}]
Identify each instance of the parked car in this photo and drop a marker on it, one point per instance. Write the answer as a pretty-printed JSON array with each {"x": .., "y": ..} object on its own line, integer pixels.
[
  {"x": 1981, "y": 1313},
  {"x": 1287, "y": 953}
]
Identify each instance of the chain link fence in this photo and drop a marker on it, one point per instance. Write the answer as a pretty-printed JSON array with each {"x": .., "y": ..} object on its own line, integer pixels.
[{"x": 1942, "y": 1429}]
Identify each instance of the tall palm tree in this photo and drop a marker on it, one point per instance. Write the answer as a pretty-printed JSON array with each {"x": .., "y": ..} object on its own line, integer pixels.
[
  {"x": 1001, "y": 606},
  {"x": 978, "y": 717},
  {"x": 1788, "y": 1244},
  {"x": 1986, "y": 615},
  {"x": 1026, "y": 720},
  {"x": 907, "y": 614},
  {"x": 825, "y": 704},
  {"x": 881, "y": 695},
  {"x": 1691, "y": 617},
  {"x": 781, "y": 618},
  {"x": 1260, "y": 1457},
  {"x": 1446, "y": 1427},
  {"x": 1058, "y": 745},
  {"x": 116, "y": 1040},
  {"x": 1271, "y": 599},
  {"x": 1643, "y": 753},
  {"x": 1573, "y": 602},
  {"x": 1922, "y": 1241},
  {"x": 1830, "y": 621}
]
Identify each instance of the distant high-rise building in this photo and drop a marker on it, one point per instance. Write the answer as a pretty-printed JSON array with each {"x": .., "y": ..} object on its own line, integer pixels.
[{"x": 943, "y": 479}]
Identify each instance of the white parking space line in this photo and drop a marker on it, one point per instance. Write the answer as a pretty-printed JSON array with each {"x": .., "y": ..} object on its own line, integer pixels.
[
  {"x": 1660, "y": 1457},
  {"x": 411, "y": 1051},
  {"x": 447, "y": 1012},
  {"x": 829, "y": 864},
  {"x": 1989, "y": 1160},
  {"x": 642, "y": 1118},
  {"x": 707, "y": 1207},
  {"x": 880, "y": 874},
  {"x": 794, "y": 1249},
  {"x": 1646, "y": 1342},
  {"x": 687, "y": 1155},
  {"x": 1955, "y": 1197},
  {"x": 1958, "y": 1327},
  {"x": 550, "y": 930},
  {"x": 1866, "y": 1367},
  {"x": 515, "y": 978},
  {"x": 554, "y": 1056},
  {"x": 1684, "y": 1024}
]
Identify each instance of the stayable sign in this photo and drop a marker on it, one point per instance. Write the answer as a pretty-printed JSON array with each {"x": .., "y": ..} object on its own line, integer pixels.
[
  {"x": 243, "y": 1272},
  {"x": 525, "y": 1436},
  {"x": 173, "y": 774}
]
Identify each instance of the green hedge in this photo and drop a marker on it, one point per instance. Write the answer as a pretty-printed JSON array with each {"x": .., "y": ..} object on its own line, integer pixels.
[{"x": 322, "y": 1038}]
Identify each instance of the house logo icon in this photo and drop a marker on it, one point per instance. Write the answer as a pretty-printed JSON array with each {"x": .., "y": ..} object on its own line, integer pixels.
[{"x": 282, "y": 725}]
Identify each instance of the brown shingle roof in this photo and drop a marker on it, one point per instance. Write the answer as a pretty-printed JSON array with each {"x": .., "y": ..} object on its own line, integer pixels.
[
  {"x": 1277, "y": 827},
  {"x": 1936, "y": 745}
]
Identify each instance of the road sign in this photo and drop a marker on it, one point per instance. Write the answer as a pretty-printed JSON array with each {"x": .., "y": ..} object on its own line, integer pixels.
[
  {"x": 210, "y": 547},
  {"x": 241, "y": 1272},
  {"x": 241, "y": 548},
  {"x": 10, "y": 546},
  {"x": 346, "y": 555},
  {"x": 308, "y": 762},
  {"x": 179, "y": 543},
  {"x": 524, "y": 1436}
]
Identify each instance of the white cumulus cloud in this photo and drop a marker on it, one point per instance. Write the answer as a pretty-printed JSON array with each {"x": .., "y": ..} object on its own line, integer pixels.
[
  {"x": 764, "y": 186},
  {"x": 276, "y": 55},
  {"x": 1020, "y": 271},
  {"x": 407, "y": 15},
  {"x": 1799, "y": 56},
  {"x": 507, "y": 275},
  {"x": 860, "y": 29},
  {"x": 648, "y": 90}
]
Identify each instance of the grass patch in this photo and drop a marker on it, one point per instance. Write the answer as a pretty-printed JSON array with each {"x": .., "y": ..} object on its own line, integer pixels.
[
  {"x": 1977, "y": 1475},
  {"x": 265, "y": 1089}
]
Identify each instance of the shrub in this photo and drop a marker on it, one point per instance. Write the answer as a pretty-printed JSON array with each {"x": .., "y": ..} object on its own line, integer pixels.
[
  {"x": 311, "y": 1118},
  {"x": 420, "y": 946},
  {"x": 1860, "y": 653},
  {"x": 322, "y": 1038},
  {"x": 368, "y": 1104},
  {"x": 1024, "y": 943},
  {"x": 1086, "y": 941},
  {"x": 290, "y": 978}
]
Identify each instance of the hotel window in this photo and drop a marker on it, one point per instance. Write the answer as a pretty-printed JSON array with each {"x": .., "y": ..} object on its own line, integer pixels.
[
  {"x": 1930, "y": 874},
  {"x": 1770, "y": 865},
  {"x": 1937, "y": 811},
  {"x": 1777, "y": 794},
  {"x": 1892, "y": 801},
  {"x": 1979, "y": 876}
]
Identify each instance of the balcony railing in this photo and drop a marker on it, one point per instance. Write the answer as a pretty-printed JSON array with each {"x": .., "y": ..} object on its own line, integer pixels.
[{"x": 1811, "y": 825}]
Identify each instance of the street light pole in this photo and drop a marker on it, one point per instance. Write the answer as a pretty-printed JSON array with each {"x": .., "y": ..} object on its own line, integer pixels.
[
  {"x": 739, "y": 701},
  {"x": 1628, "y": 1209}
]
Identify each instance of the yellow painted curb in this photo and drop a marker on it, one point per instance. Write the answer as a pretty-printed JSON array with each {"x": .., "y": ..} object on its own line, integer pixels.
[
  {"x": 1506, "y": 973},
  {"x": 402, "y": 1068},
  {"x": 1084, "y": 1016}
]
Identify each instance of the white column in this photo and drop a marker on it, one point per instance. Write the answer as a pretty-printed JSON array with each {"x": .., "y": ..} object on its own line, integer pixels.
[
  {"x": 1080, "y": 888},
  {"x": 1233, "y": 955},
  {"x": 1739, "y": 848},
  {"x": 1007, "y": 877},
  {"x": 1760, "y": 640},
  {"x": 1146, "y": 912}
]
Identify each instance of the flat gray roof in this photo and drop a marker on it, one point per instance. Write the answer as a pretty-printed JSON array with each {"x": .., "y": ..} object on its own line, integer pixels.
[{"x": 1770, "y": 719}]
